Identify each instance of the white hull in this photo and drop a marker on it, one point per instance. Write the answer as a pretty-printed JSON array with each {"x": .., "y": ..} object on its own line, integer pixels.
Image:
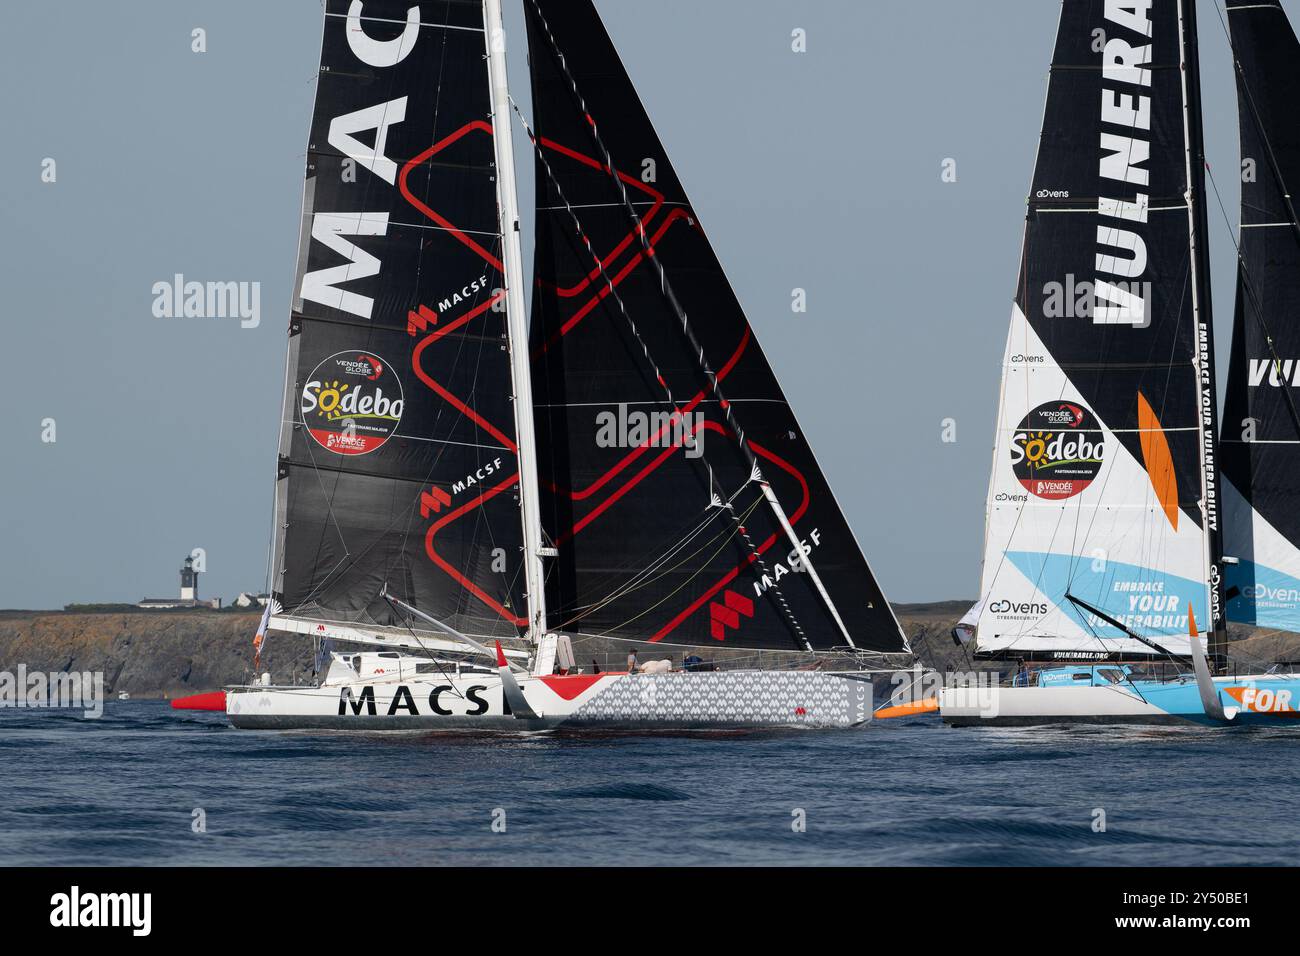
[
  {"x": 1245, "y": 699},
  {"x": 1043, "y": 705},
  {"x": 677, "y": 700}
]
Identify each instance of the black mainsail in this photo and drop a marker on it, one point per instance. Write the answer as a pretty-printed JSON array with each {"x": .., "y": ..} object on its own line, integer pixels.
[
  {"x": 1104, "y": 487},
  {"x": 397, "y": 464},
  {"x": 399, "y": 471},
  {"x": 663, "y": 434},
  {"x": 1261, "y": 429}
]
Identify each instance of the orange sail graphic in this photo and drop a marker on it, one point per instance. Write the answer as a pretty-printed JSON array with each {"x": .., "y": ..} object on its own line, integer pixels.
[{"x": 1159, "y": 462}]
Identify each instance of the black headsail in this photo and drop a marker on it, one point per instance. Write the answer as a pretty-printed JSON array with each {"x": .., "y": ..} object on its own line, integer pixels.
[
  {"x": 397, "y": 453},
  {"x": 1261, "y": 429},
  {"x": 655, "y": 502},
  {"x": 1104, "y": 490}
]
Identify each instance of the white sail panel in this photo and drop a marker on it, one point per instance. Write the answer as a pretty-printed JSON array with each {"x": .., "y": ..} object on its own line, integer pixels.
[{"x": 1071, "y": 512}]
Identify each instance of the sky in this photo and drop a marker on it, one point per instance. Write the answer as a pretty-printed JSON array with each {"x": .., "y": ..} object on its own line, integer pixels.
[{"x": 818, "y": 170}]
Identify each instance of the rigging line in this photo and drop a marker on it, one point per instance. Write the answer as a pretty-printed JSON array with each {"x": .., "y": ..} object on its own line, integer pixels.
[
  {"x": 1110, "y": 472},
  {"x": 639, "y": 228},
  {"x": 436, "y": 663},
  {"x": 755, "y": 473},
  {"x": 329, "y": 495},
  {"x": 635, "y": 585},
  {"x": 1108, "y": 334},
  {"x": 653, "y": 565},
  {"x": 643, "y": 578},
  {"x": 460, "y": 350},
  {"x": 1095, "y": 635},
  {"x": 1062, "y": 512},
  {"x": 272, "y": 573},
  {"x": 1132, "y": 634},
  {"x": 1257, "y": 307},
  {"x": 673, "y": 593},
  {"x": 348, "y": 557},
  {"x": 483, "y": 342},
  {"x": 989, "y": 506},
  {"x": 596, "y": 596},
  {"x": 1003, "y": 425},
  {"x": 459, "y": 417},
  {"x": 615, "y": 597},
  {"x": 597, "y": 591},
  {"x": 1276, "y": 169},
  {"x": 437, "y": 458},
  {"x": 658, "y": 568},
  {"x": 275, "y": 494},
  {"x": 329, "y": 508}
]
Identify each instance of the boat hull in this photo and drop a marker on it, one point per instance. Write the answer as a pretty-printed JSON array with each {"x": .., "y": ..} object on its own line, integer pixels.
[
  {"x": 674, "y": 701},
  {"x": 1254, "y": 699}
]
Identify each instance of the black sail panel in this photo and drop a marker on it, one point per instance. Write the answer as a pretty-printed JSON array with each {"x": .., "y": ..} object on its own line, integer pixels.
[
  {"x": 1261, "y": 435},
  {"x": 655, "y": 507},
  {"x": 397, "y": 458},
  {"x": 1105, "y": 442}
]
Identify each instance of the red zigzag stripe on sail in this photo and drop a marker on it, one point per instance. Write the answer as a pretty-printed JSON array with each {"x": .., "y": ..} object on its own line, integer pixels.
[{"x": 677, "y": 215}]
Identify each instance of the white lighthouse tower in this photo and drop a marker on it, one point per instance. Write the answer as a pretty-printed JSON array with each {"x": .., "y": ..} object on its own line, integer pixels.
[{"x": 189, "y": 581}]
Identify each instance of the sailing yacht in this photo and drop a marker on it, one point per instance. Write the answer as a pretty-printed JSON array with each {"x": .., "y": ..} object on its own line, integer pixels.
[
  {"x": 1118, "y": 516},
  {"x": 477, "y": 506}
]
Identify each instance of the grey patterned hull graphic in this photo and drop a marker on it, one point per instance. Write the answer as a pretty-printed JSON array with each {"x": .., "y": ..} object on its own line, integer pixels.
[{"x": 739, "y": 698}]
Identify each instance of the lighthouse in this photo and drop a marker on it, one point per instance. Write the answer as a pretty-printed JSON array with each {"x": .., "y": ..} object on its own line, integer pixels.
[
  {"x": 189, "y": 590},
  {"x": 189, "y": 581}
]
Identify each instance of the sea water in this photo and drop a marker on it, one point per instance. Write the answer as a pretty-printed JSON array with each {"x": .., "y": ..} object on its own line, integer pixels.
[{"x": 147, "y": 785}]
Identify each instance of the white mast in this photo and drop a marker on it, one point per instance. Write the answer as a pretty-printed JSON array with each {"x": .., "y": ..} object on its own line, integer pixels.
[{"x": 516, "y": 320}]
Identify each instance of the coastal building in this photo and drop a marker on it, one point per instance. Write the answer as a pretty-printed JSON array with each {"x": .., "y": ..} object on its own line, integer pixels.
[{"x": 245, "y": 599}]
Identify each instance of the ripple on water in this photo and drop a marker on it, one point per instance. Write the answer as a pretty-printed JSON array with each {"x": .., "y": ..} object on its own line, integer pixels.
[{"x": 623, "y": 791}]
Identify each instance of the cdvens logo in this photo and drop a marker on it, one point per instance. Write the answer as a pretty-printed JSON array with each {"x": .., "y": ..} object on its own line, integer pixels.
[
  {"x": 1023, "y": 608},
  {"x": 1058, "y": 450}
]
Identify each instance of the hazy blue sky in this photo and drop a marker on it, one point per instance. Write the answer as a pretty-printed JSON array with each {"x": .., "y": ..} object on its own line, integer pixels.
[{"x": 819, "y": 170}]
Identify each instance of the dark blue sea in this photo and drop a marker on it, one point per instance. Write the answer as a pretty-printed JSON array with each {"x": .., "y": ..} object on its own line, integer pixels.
[{"x": 125, "y": 789}]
